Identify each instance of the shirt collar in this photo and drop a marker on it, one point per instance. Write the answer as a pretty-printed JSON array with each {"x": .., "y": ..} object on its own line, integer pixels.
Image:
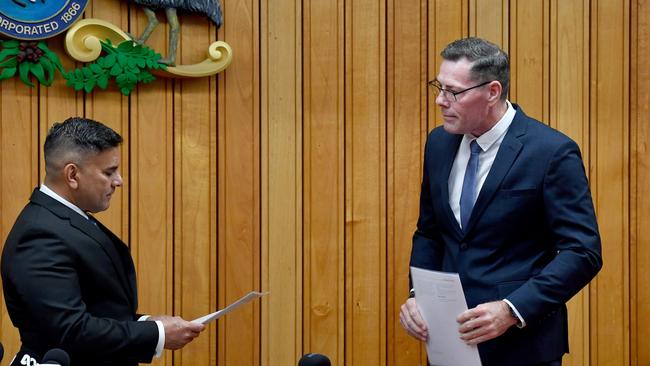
[
  {"x": 486, "y": 140},
  {"x": 46, "y": 190}
]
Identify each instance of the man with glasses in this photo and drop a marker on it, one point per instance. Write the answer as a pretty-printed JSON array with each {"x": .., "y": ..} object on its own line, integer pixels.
[{"x": 505, "y": 203}]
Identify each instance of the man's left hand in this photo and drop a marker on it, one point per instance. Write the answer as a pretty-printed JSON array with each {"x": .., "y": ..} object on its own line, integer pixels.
[{"x": 484, "y": 322}]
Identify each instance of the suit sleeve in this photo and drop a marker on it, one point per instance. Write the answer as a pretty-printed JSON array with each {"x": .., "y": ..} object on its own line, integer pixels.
[
  {"x": 428, "y": 250},
  {"x": 570, "y": 217},
  {"x": 47, "y": 281}
]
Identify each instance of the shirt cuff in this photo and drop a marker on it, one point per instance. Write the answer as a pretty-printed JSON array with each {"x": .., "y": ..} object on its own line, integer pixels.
[
  {"x": 161, "y": 336},
  {"x": 522, "y": 322}
]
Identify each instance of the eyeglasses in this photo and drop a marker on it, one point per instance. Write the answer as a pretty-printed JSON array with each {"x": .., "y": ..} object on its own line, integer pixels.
[{"x": 448, "y": 94}]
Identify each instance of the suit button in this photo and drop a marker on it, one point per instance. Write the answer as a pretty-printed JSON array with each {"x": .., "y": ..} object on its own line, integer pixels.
[{"x": 463, "y": 246}]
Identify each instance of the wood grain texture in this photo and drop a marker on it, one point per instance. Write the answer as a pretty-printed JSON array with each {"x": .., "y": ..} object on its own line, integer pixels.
[
  {"x": 406, "y": 130},
  {"x": 281, "y": 138},
  {"x": 323, "y": 179},
  {"x": 365, "y": 184},
  {"x": 610, "y": 179},
  {"x": 297, "y": 170}
]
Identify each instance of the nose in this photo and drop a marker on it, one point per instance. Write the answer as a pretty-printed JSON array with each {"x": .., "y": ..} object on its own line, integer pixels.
[
  {"x": 441, "y": 100},
  {"x": 117, "y": 182}
]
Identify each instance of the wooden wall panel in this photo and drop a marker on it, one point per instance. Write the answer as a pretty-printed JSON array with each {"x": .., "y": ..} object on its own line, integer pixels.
[
  {"x": 569, "y": 113},
  {"x": 281, "y": 180},
  {"x": 640, "y": 185},
  {"x": 489, "y": 19},
  {"x": 323, "y": 179},
  {"x": 365, "y": 183},
  {"x": 239, "y": 185},
  {"x": 609, "y": 180},
  {"x": 297, "y": 170},
  {"x": 406, "y": 132},
  {"x": 195, "y": 183},
  {"x": 529, "y": 56}
]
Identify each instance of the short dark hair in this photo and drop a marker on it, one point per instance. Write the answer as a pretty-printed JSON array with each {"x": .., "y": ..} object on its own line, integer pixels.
[
  {"x": 489, "y": 62},
  {"x": 78, "y": 135}
]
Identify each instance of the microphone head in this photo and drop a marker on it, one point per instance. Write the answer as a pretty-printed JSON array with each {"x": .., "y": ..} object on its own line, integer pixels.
[
  {"x": 56, "y": 356},
  {"x": 314, "y": 359}
]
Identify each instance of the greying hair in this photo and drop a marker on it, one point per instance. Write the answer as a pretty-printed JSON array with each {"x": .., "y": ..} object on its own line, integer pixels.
[
  {"x": 77, "y": 136},
  {"x": 489, "y": 62}
]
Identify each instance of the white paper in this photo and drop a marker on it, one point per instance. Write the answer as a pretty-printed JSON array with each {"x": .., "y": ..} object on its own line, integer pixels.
[
  {"x": 218, "y": 314},
  {"x": 440, "y": 298}
]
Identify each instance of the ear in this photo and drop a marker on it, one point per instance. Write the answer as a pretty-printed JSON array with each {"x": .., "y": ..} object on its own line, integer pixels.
[
  {"x": 495, "y": 89},
  {"x": 71, "y": 175}
]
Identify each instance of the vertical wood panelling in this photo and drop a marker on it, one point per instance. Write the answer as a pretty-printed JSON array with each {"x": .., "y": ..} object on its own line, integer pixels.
[
  {"x": 239, "y": 185},
  {"x": 489, "y": 19},
  {"x": 323, "y": 192},
  {"x": 365, "y": 183},
  {"x": 298, "y": 169},
  {"x": 406, "y": 131},
  {"x": 447, "y": 21},
  {"x": 281, "y": 138},
  {"x": 610, "y": 134},
  {"x": 569, "y": 113},
  {"x": 151, "y": 155},
  {"x": 195, "y": 191},
  {"x": 529, "y": 64},
  {"x": 640, "y": 187},
  {"x": 19, "y": 166}
]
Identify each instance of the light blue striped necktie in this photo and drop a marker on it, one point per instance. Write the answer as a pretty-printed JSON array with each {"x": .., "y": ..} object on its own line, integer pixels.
[{"x": 468, "y": 194}]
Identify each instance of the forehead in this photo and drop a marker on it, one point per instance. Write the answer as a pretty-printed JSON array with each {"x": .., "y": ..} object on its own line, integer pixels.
[{"x": 455, "y": 73}]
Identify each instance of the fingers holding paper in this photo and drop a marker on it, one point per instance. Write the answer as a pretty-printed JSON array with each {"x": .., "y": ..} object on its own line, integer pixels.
[
  {"x": 485, "y": 322},
  {"x": 412, "y": 321},
  {"x": 178, "y": 332}
]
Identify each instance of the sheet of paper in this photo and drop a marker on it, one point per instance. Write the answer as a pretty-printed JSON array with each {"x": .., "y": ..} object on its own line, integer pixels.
[
  {"x": 218, "y": 314},
  {"x": 440, "y": 297}
]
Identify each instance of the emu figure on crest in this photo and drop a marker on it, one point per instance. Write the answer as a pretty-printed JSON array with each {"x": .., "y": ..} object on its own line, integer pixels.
[{"x": 209, "y": 8}]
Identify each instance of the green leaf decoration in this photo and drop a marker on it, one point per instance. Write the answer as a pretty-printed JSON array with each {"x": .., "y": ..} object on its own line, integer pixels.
[
  {"x": 23, "y": 72},
  {"x": 127, "y": 63},
  {"x": 7, "y": 73},
  {"x": 42, "y": 65}
]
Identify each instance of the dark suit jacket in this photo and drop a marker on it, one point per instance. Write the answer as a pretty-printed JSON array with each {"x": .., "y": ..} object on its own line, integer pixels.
[
  {"x": 532, "y": 236},
  {"x": 71, "y": 284}
]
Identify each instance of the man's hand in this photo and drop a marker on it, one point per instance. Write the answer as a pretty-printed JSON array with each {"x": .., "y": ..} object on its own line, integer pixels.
[
  {"x": 178, "y": 332},
  {"x": 411, "y": 320},
  {"x": 485, "y": 322}
]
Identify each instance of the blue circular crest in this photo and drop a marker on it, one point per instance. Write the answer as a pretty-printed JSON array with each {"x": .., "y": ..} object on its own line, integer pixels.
[{"x": 38, "y": 19}]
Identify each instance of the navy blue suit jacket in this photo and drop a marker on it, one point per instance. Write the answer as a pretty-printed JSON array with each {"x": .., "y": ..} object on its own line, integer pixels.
[{"x": 532, "y": 236}]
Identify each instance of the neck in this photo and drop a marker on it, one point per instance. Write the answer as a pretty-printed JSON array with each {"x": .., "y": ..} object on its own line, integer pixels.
[
  {"x": 60, "y": 189},
  {"x": 493, "y": 115}
]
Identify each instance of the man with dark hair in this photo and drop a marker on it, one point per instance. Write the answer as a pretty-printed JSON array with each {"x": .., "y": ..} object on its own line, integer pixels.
[
  {"x": 505, "y": 203},
  {"x": 68, "y": 281}
]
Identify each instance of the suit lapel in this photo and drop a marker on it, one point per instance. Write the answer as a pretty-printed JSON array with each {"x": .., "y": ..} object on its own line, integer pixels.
[
  {"x": 506, "y": 156},
  {"x": 450, "y": 149},
  {"x": 97, "y": 234}
]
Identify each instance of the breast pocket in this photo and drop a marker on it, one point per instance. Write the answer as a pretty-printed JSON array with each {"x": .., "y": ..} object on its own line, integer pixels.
[{"x": 514, "y": 193}]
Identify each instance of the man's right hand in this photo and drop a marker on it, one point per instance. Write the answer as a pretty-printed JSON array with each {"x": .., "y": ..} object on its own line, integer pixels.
[
  {"x": 411, "y": 320},
  {"x": 178, "y": 332}
]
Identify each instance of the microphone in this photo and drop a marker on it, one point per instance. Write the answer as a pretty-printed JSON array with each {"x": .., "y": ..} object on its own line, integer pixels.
[
  {"x": 56, "y": 356},
  {"x": 314, "y": 359}
]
